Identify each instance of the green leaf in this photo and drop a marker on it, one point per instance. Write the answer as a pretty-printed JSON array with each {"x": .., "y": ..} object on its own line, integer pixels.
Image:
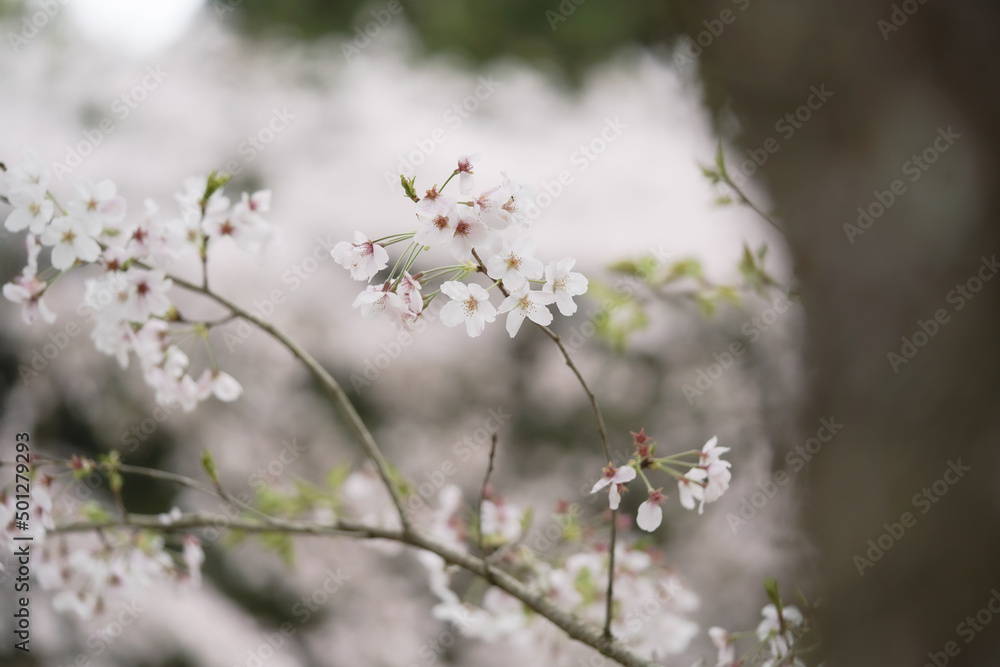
[
  {"x": 685, "y": 268},
  {"x": 720, "y": 161},
  {"x": 282, "y": 544},
  {"x": 771, "y": 588},
  {"x": 712, "y": 175},
  {"x": 208, "y": 463},
  {"x": 92, "y": 511},
  {"x": 337, "y": 475},
  {"x": 408, "y": 186},
  {"x": 215, "y": 182}
]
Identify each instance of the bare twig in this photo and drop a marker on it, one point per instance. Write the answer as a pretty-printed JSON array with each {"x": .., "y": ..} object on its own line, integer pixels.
[
  {"x": 482, "y": 493},
  {"x": 601, "y": 431},
  {"x": 746, "y": 200}
]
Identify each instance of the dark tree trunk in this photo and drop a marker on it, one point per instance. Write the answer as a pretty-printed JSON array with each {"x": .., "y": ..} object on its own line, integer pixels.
[{"x": 929, "y": 84}]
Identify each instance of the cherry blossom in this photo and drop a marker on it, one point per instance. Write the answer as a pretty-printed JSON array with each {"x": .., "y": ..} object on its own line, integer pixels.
[
  {"x": 435, "y": 204},
  {"x": 146, "y": 294},
  {"x": 470, "y": 303},
  {"x": 466, "y": 163},
  {"x": 436, "y": 229},
  {"x": 153, "y": 237},
  {"x": 32, "y": 210},
  {"x": 515, "y": 263},
  {"x": 243, "y": 223},
  {"x": 692, "y": 487},
  {"x": 363, "y": 258},
  {"x": 409, "y": 291},
  {"x": 219, "y": 384},
  {"x": 489, "y": 207},
  {"x": 194, "y": 556},
  {"x": 33, "y": 172},
  {"x": 780, "y": 636},
  {"x": 616, "y": 478},
  {"x": 565, "y": 284},
  {"x": 501, "y": 521},
  {"x": 523, "y": 303},
  {"x": 71, "y": 241},
  {"x": 650, "y": 514},
  {"x": 27, "y": 289},
  {"x": 378, "y": 300},
  {"x": 516, "y": 208},
  {"x": 469, "y": 231},
  {"x": 724, "y": 643},
  {"x": 97, "y": 206}
]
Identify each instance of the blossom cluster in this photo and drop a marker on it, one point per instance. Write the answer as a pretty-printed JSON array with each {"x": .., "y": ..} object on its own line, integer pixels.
[
  {"x": 652, "y": 603},
  {"x": 82, "y": 575},
  {"x": 487, "y": 233},
  {"x": 706, "y": 479},
  {"x": 130, "y": 299}
]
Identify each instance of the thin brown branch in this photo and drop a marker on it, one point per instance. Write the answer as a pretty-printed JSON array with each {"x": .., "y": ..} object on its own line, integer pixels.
[
  {"x": 330, "y": 386},
  {"x": 601, "y": 431},
  {"x": 568, "y": 622},
  {"x": 482, "y": 493}
]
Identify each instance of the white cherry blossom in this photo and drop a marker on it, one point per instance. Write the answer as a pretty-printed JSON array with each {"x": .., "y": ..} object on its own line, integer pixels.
[
  {"x": 515, "y": 263},
  {"x": 691, "y": 487},
  {"x": 469, "y": 304},
  {"x": 32, "y": 210},
  {"x": 71, "y": 241},
  {"x": 27, "y": 289},
  {"x": 363, "y": 258},
  {"x": 466, "y": 164},
  {"x": 523, "y": 303},
  {"x": 97, "y": 205},
  {"x": 468, "y": 232},
  {"x": 564, "y": 284},
  {"x": 616, "y": 478},
  {"x": 650, "y": 514}
]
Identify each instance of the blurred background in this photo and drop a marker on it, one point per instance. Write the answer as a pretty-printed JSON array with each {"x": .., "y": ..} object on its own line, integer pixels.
[{"x": 820, "y": 109}]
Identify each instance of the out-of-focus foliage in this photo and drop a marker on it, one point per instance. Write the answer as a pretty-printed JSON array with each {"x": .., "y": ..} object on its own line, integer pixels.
[{"x": 572, "y": 34}]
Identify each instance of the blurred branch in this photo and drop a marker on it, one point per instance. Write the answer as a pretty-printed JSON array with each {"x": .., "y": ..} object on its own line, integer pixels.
[{"x": 568, "y": 622}]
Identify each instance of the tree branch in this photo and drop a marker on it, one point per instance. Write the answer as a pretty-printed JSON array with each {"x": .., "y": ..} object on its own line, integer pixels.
[
  {"x": 330, "y": 386},
  {"x": 601, "y": 431},
  {"x": 566, "y": 621}
]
